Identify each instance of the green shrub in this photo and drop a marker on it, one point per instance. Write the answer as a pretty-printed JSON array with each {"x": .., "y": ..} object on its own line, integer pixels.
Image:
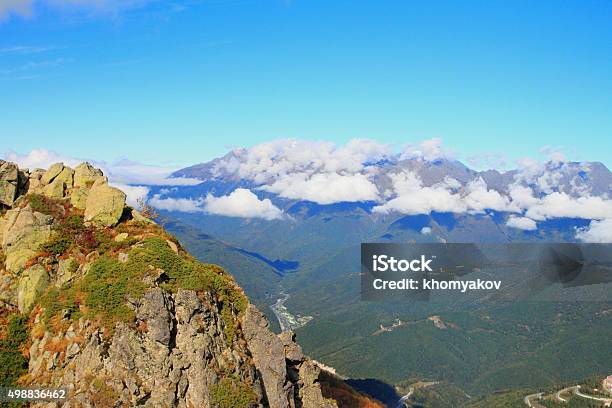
[
  {"x": 42, "y": 204},
  {"x": 106, "y": 286},
  {"x": 57, "y": 244},
  {"x": 71, "y": 231},
  {"x": 12, "y": 363},
  {"x": 58, "y": 300},
  {"x": 108, "y": 283},
  {"x": 230, "y": 393},
  {"x": 229, "y": 327},
  {"x": 188, "y": 273},
  {"x": 17, "y": 330}
]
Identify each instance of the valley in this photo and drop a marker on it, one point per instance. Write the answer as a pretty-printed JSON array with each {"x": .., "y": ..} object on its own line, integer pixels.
[
  {"x": 286, "y": 320},
  {"x": 536, "y": 336}
]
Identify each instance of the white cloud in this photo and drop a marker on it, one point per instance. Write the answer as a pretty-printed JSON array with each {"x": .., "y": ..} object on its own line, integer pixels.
[
  {"x": 426, "y": 230},
  {"x": 559, "y": 205},
  {"x": 521, "y": 197},
  {"x": 324, "y": 188},
  {"x": 430, "y": 150},
  {"x": 554, "y": 154},
  {"x": 409, "y": 196},
  {"x": 130, "y": 172},
  {"x": 489, "y": 160},
  {"x": 597, "y": 232},
  {"x": 133, "y": 193},
  {"x": 326, "y": 173},
  {"x": 523, "y": 223},
  {"x": 177, "y": 204},
  {"x": 267, "y": 162},
  {"x": 121, "y": 172},
  {"x": 242, "y": 203},
  {"x": 321, "y": 172},
  {"x": 480, "y": 198},
  {"x": 25, "y": 8},
  {"x": 20, "y": 7},
  {"x": 21, "y": 49},
  {"x": 413, "y": 198},
  {"x": 41, "y": 158}
]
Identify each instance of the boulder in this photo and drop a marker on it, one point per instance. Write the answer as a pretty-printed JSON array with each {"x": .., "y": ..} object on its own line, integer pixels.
[
  {"x": 66, "y": 270},
  {"x": 55, "y": 189},
  {"x": 23, "y": 183},
  {"x": 66, "y": 175},
  {"x": 9, "y": 182},
  {"x": 35, "y": 184},
  {"x": 51, "y": 173},
  {"x": 78, "y": 198},
  {"x": 8, "y": 290},
  {"x": 293, "y": 351},
  {"x": 121, "y": 237},
  {"x": 16, "y": 260},
  {"x": 85, "y": 175},
  {"x": 23, "y": 231},
  {"x": 37, "y": 174},
  {"x": 31, "y": 285},
  {"x": 138, "y": 217},
  {"x": 172, "y": 246},
  {"x": 310, "y": 391},
  {"x": 104, "y": 205}
]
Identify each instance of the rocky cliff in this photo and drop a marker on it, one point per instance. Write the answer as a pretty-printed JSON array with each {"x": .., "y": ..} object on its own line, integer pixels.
[{"x": 99, "y": 299}]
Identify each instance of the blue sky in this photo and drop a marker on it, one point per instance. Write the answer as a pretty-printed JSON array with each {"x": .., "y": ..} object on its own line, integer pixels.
[{"x": 181, "y": 82}]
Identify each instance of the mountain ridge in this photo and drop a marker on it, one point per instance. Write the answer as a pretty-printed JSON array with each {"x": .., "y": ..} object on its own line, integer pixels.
[{"x": 283, "y": 182}]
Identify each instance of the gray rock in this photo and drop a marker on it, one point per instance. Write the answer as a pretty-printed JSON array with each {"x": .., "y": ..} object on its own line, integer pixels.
[
  {"x": 9, "y": 182},
  {"x": 104, "y": 205},
  {"x": 51, "y": 173},
  {"x": 155, "y": 310},
  {"x": 293, "y": 351},
  {"x": 85, "y": 175},
  {"x": 55, "y": 189},
  {"x": 310, "y": 391},
  {"x": 22, "y": 232},
  {"x": 269, "y": 357},
  {"x": 31, "y": 285}
]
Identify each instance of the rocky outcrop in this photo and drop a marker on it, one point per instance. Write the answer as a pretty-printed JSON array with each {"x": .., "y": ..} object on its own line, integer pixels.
[
  {"x": 78, "y": 198},
  {"x": 104, "y": 204},
  {"x": 85, "y": 175},
  {"x": 32, "y": 284},
  {"x": 35, "y": 184},
  {"x": 290, "y": 380},
  {"x": 9, "y": 182},
  {"x": 55, "y": 189},
  {"x": 310, "y": 390},
  {"x": 154, "y": 345},
  {"x": 269, "y": 357},
  {"x": 174, "y": 361},
  {"x": 23, "y": 231},
  {"x": 52, "y": 172},
  {"x": 175, "y": 357}
]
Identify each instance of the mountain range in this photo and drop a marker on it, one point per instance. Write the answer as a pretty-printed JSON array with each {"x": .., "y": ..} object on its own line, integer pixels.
[{"x": 290, "y": 218}]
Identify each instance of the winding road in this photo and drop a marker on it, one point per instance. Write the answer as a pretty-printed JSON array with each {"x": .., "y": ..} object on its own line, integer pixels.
[
  {"x": 576, "y": 391},
  {"x": 400, "y": 403},
  {"x": 528, "y": 398},
  {"x": 601, "y": 399},
  {"x": 564, "y": 390}
]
